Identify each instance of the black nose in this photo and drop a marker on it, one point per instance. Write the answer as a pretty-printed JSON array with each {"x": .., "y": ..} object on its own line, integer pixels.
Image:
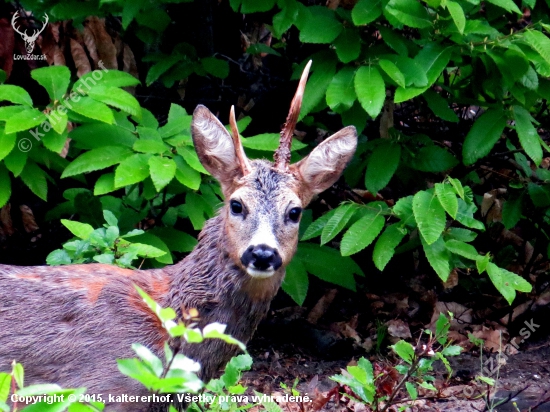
[{"x": 262, "y": 257}]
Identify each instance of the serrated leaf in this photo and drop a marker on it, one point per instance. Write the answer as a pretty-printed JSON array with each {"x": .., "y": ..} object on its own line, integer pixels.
[
  {"x": 439, "y": 106},
  {"x": 35, "y": 179},
  {"x": 80, "y": 230},
  {"x": 429, "y": 215},
  {"x": 362, "y": 233},
  {"x": 370, "y": 89},
  {"x": 447, "y": 197},
  {"x": 7, "y": 143},
  {"x": 366, "y": 11},
  {"x": 507, "y": 5},
  {"x": 384, "y": 248},
  {"x": 150, "y": 146},
  {"x": 382, "y": 165},
  {"x": 132, "y": 170},
  {"x": 393, "y": 71},
  {"x": 5, "y": 185},
  {"x": 95, "y": 135},
  {"x": 457, "y": 15},
  {"x": 341, "y": 91},
  {"x": 88, "y": 107},
  {"x": 316, "y": 228},
  {"x": 320, "y": 17},
  {"x": 55, "y": 79},
  {"x": 528, "y": 136},
  {"x": 316, "y": 87},
  {"x": 507, "y": 282},
  {"x": 296, "y": 281},
  {"x": 162, "y": 171},
  {"x": 404, "y": 350},
  {"x": 483, "y": 135},
  {"x": 110, "y": 78},
  {"x": 216, "y": 67},
  {"x": 462, "y": 249},
  {"x": 113, "y": 96},
  {"x": 186, "y": 175},
  {"x": 97, "y": 159},
  {"x": 438, "y": 256},
  {"x": 348, "y": 45},
  {"x": 338, "y": 221},
  {"x": 465, "y": 215},
  {"x": 511, "y": 211},
  {"x": 411, "y": 390},
  {"x": 25, "y": 120},
  {"x": 409, "y": 12},
  {"x": 15, "y": 94},
  {"x": 269, "y": 142}
]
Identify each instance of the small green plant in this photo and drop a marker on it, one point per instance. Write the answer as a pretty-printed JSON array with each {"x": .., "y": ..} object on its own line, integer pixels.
[{"x": 379, "y": 388}]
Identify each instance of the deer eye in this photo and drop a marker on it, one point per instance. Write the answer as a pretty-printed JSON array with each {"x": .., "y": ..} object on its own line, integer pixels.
[
  {"x": 236, "y": 207},
  {"x": 294, "y": 214}
]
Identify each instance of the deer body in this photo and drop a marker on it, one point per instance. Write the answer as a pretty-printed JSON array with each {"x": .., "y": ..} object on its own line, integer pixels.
[{"x": 69, "y": 324}]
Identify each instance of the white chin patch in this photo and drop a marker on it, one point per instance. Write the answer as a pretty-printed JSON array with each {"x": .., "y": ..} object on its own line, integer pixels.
[{"x": 260, "y": 274}]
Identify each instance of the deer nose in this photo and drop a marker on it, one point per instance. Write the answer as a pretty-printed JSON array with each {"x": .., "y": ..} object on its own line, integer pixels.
[{"x": 262, "y": 257}]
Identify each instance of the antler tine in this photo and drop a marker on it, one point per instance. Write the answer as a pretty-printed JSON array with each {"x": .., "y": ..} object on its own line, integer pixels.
[
  {"x": 239, "y": 151},
  {"x": 15, "y": 16},
  {"x": 282, "y": 154}
]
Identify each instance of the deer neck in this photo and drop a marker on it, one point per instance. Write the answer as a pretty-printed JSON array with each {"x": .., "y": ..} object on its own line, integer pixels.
[{"x": 210, "y": 281}]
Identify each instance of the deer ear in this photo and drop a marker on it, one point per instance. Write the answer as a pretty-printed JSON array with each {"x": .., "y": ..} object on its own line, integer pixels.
[
  {"x": 324, "y": 165},
  {"x": 215, "y": 147}
]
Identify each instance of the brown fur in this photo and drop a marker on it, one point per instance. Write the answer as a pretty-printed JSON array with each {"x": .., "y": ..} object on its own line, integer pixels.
[{"x": 69, "y": 324}]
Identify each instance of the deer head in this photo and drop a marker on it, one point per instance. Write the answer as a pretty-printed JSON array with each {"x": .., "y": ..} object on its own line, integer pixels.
[
  {"x": 264, "y": 201},
  {"x": 29, "y": 40}
]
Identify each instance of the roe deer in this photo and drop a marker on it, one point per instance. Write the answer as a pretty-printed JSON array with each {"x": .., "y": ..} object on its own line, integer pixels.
[{"x": 69, "y": 324}]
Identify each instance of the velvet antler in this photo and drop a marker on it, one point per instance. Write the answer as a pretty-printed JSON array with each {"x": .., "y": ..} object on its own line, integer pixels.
[
  {"x": 282, "y": 154},
  {"x": 239, "y": 151}
]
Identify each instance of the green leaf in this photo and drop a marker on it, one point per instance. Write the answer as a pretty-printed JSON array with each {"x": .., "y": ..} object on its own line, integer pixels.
[
  {"x": 80, "y": 230},
  {"x": 5, "y": 186},
  {"x": 296, "y": 281},
  {"x": 328, "y": 264},
  {"x": 113, "y": 96},
  {"x": 161, "y": 67},
  {"x": 316, "y": 87},
  {"x": 316, "y": 228},
  {"x": 132, "y": 170},
  {"x": 447, "y": 197},
  {"x": 178, "y": 121},
  {"x": 55, "y": 79},
  {"x": 393, "y": 71},
  {"x": 507, "y": 282},
  {"x": 507, "y": 5},
  {"x": 186, "y": 175},
  {"x": 192, "y": 159},
  {"x": 439, "y": 106},
  {"x": 320, "y": 17},
  {"x": 95, "y": 135},
  {"x": 394, "y": 40},
  {"x": 483, "y": 135},
  {"x": 110, "y": 78},
  {"x": 465, "y": 215},
  {"x": 362, "y": 233},
  {"x": 162, "y": 171},
  {"x": 259, "y": 48},
  {"x": 35, "y": 179},
  {"x": 411, "y": 389},
  {"x": 88, "y": 107},
  {"x": 438, "y": 256},
  {"x": 14, "y": 94},
  {"x": 384, "y": 248},
  {"x": 7, "y": 143},
  {"x": 6, "y": 112},
  {"x": 462, "y": 249},
  {"x": 255, "y": 6},
  {"x": 370, "y": 89},
  {"x": 540, "y": 195},
  {"x": 338, "y": 221},
  {"x": 528, "y": 136},
  {"x": 433, "y": 159},
  {"x": 429, "y": 215},
  {"x": 54, "y": 141},
  {"x": 285, "y": 18},
  {"x": 511, "y": 211},
  {"x": 537, "y": 40},
  {"x": 404, "y": 350},
  {"x": 461, "y": 234},
  {"x": 382, "y": 165},
  {"x": 150, "y": 146},
  {"x": 24, "y": 120},
  {"x": 366, "y": 11},
  {"x": 457, "y": 15},
  {"x": 348, "y": 45},
  {"x": 341, "y": 92},
  {"x": 409, "y": 12},
  {"x": 403, "y": 210},
  {"x": 97, "y": 159},
  {"x": 269, "y": 142},
  {"x": 15, "y": 162},
  {"x": 216, "y": 67}
]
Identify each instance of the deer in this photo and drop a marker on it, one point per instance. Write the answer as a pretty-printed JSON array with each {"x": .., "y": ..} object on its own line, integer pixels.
[{"x": 69, "y": 324}]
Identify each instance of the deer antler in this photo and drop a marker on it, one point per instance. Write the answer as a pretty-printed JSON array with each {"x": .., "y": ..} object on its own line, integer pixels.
[
  {"x": 239, "y": 151},
  {"x": 15, "y": 16},
  {"x": 282, "y": 154}
]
